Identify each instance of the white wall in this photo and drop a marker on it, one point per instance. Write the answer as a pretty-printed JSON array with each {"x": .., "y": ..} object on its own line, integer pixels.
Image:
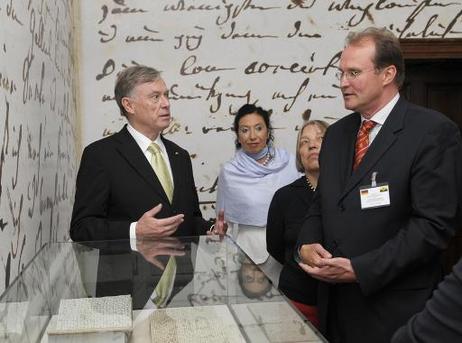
[
  {"x": 37, "y": 128},
  {"x": 205, "y": 48}
]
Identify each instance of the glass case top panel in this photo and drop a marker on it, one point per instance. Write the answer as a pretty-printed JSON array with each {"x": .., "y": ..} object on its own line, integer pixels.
[{"x": 168, "y": 274}]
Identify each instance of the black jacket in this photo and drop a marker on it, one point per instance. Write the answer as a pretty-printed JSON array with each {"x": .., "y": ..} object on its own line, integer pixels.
[
  {"x": 116, "y": 185},
  {"x": 394, "y": 250},
  {"x": 286, "y": 214}
]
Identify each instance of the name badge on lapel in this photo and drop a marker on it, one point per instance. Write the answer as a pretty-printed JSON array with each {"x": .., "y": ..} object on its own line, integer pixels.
[{"x": 376, "y": 195}]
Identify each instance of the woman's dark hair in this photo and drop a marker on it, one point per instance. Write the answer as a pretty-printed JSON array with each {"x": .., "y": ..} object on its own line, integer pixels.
[{"x": 249, "y": 109}]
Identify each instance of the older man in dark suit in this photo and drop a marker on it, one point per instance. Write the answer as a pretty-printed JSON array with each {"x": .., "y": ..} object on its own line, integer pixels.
[
  {"x": 388, "y": 199},
  {"x": 136, "y": 183}
]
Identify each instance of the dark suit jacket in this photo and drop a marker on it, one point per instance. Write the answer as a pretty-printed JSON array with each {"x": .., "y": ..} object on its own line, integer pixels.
[
  {"x": 116, "y": 185},
  {"x": 441, "y": 320},
  {"x": 286, "y": 214},
  {"x": 394, "y": 250}
]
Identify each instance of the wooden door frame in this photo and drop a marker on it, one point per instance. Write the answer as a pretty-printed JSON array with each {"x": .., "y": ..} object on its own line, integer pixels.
[{"x": 431, "y": 49}]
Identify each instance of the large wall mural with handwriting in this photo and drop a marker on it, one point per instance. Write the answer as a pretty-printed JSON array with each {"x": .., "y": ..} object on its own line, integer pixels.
[
  {"x": 37, "y": 128},
  {"x": 219, "y": 54},
  {"x": 215, "y": 55}
]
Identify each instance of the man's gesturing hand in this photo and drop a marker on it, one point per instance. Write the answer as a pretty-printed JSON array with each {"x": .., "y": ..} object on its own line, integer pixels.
[{"x": 149, "y": 226}]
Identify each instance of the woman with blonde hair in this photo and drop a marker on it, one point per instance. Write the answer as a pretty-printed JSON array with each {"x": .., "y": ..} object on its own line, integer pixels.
[{"x": 288, "y": 208}]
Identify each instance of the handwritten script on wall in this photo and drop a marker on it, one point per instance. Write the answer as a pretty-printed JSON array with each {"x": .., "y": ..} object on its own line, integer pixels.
[
  {"x": 37, "y": 133},
  {"x": 219, "y": 54}
]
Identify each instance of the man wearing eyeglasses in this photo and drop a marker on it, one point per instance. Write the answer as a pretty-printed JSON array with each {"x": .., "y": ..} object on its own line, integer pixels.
[{"x": 388, "y": 198}]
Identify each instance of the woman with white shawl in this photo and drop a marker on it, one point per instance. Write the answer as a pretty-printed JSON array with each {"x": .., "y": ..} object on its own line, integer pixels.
[{"x": 247, "y": 183}]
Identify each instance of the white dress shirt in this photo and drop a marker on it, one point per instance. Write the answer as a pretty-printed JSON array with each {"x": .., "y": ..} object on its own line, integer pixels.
[
  {"x": 144, "y": 142},
  {"x": 380, "y": 117}
]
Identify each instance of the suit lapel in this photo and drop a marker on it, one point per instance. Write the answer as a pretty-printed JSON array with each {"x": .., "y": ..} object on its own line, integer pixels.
[
  {"x": 348, "y": 140},
  {"x": 384, "y": 140},
  {"x": 130, "y": 150}
]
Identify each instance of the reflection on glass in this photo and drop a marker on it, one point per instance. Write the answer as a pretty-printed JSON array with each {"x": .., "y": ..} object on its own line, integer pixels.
[
  {"x": 253, "y": 282},
  {"x": 209, "y": 271}
]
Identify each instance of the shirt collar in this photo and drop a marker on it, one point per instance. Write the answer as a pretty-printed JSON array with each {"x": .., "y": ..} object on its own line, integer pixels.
[
  {"x": 384, "y": 112},
  {"x": 143, "y": 141}
]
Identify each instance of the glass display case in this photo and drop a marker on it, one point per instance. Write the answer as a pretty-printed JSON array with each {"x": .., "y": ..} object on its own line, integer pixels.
[{"x": 194, "y": 289}]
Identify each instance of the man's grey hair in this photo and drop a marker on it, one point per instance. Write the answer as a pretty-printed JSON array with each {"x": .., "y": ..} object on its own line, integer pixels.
[{"x": 131, "y": 77}]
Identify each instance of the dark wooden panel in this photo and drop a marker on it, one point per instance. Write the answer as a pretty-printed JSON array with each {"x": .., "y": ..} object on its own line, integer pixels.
[
  {"x": 437, "y": 84},
  {"x": 431, "y": 48},
  {"x": 447, "y": 99}
]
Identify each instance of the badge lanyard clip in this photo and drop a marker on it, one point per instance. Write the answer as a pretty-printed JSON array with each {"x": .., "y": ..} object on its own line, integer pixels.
[{"x": 374, "y": 179}]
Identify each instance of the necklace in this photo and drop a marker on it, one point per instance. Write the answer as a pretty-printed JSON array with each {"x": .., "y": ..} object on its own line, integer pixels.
[
  {"x": 310, "y": 186},
  {"x": 267, "y": 159}
]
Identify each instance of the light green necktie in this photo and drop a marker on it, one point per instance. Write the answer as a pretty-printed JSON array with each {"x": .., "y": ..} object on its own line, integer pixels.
[
  {"x": 165, "y": 283},
  {"x": 160, "y": 167}
]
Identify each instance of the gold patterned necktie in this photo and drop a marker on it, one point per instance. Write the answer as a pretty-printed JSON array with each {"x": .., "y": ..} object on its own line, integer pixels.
[
  {"x": 362, "y": 142},
  {"x": 164, "y": 286},
  {"x": 160, "y": 167}
]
